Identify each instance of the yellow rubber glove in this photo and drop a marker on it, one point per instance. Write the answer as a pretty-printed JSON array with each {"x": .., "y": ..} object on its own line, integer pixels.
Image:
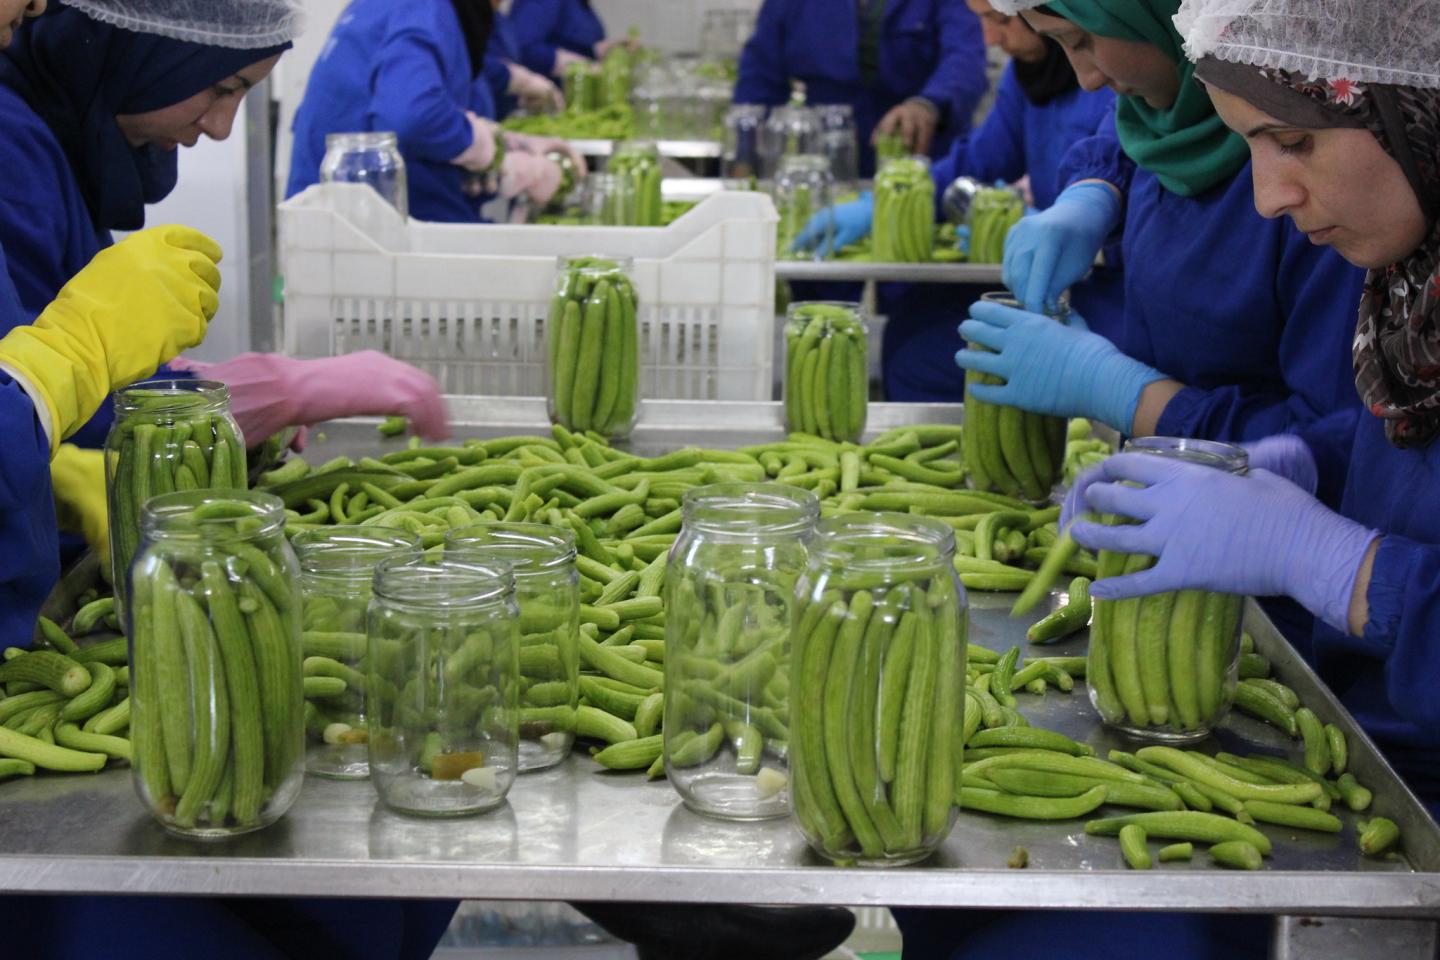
[
  {"x": 134, "y": 307},
  {"x": 80, "y": 506}
]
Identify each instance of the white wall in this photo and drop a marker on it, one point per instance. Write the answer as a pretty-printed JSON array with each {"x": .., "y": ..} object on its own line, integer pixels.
[{"x": 669, "y": 25}]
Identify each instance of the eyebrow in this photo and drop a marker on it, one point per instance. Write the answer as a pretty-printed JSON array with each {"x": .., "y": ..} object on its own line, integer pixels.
[
  {"x": 1267, "y": 127},
  {"x": 245, "y": 85}
]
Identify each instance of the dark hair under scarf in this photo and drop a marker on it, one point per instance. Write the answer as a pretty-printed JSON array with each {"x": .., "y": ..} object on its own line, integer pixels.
[
  {"x": 1048, "y": 78},
  {"x": 477, "y": 19},
  {"x": 1397, "y": 337},
  {"x": 78, "y": 74}
]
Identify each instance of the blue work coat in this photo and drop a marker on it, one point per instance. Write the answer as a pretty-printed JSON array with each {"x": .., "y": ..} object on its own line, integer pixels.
[
  {"x": 401, "y": 67},
  {"x": 503, "y": 50},
  {"x": 544, "y": 26},
  {"x": 928, "y": 48},
  {"x": 1016, "y": 138}
]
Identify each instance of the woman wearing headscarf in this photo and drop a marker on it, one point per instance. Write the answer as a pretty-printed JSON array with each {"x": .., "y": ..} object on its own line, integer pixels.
[
  {"x": 553, "y": 33},
  {"x": 1223, "y": 310},
  {"x": 417, "y": 68}
]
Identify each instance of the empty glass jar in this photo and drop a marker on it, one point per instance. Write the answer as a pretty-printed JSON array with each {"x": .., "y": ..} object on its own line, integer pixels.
[
  {"x": 802, "y": 195},
  {"x": 369, "y": 158},
  {"x": 740, "y": 159},
  {"x": 839, "y": 144},
  {"x": 790, "y": 130}
]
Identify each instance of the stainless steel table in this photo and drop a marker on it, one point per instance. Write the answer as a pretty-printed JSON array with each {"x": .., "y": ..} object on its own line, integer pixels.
[
  {"x": 677, "y": 149},
  {"x": 578, "y": 832},
  {"x": 858, "y": 270}
]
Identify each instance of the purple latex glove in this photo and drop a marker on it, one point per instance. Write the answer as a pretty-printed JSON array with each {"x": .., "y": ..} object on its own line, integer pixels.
[
  {"x": 1254, "y": 535},
  {"x": 269, "y": 392},
  {"x": 1288, "y": 456}
]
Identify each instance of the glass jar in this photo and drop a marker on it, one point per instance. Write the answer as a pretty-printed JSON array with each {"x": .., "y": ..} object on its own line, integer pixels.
[
  {"x": 583, "y": 85},
  {"x": 369, "y": 158},
  {"x": 993, "y": 211},
  {"x": 876, "y": 706},
  {"x": 637, "y": 165},
  {"x": 168, "y": 436},
  {"x": 839, "y": 144},
  {"x": 601, "y": 201},
  {"x": 903, "y": 229},
  {"x": 1008, "y": 450},
  {"x": 827, "y": 369},
  {"x": 649, "y": 99},
  {"x": 217, "y": 725},
  {"x": 729, "y": 603},
  {"x": 442, "y": 692},
  {"x": 337, "y": 568},
  {"x": 547, "y": 588},
  {"x": 740, "y": 160},
  {"x": 789, "y": 131},
  {"x": 803, "y": 189},
  {"x": 593, "y": 346},
  {"x": 617, "y": 76},
  {"x": 1164, "y": 667}
]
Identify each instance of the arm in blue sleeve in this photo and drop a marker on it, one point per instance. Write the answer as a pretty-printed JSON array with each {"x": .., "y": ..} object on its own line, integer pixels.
[
  {"x": 533, "y": 22},
  {"x": 29, "y": 537},
  {"x": 1404, "y": 621},
  {"x": 1331, "y": 440},
  {"x": 1098, "y": 158},
  {"x": 496, "y": 78},
  {"x": 762, "y": 77},
  {"x": 959, "y": 80},
  {"x": 410, "y": 96}
]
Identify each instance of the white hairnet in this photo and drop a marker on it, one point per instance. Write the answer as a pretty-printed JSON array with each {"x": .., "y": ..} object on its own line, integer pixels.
[
  {"x": 1369, "y": 41},
  {"x": 1012, "y": 7},
  {"x": 243, "y": 24}
]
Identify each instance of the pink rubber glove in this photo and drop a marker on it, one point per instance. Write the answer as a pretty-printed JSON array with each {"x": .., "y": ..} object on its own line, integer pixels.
[
  {"x": 478, "y": 157},
  {"x": 269, "y": 392},
  {"x": 529, "y": 174},
  {"x": 529, "y": 143}
]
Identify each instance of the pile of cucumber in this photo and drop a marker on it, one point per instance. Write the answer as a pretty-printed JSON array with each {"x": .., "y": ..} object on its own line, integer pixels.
[
  {"x": 903, "y": 229},
  {"x": 827, "y": 378},
  {"x": 993, "y": 211},
  {"x": 593, "y": 343}
]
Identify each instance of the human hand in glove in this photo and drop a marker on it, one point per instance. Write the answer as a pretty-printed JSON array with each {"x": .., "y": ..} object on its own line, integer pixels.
[
  {"x": 1051, "y": 367},
  {"x": 537, "y": 94},
  {"x": 527, "y": 173},
  {"x": 269, "y": 392},
  {"x": 915, "y": 121},
  {"x": 540, "y": 146},
  {"x": 479, "y": 156},
  {"x": 1048, "y": 251},
  {"x": 1288, "y": 456},
  {"x": 78, "y": 477},
  {"x": 852, "y": 224},
  {"x": 133, "y": 307},
  {"x": 1252, "y": 535},
  {"x": 563, "y": 59}
]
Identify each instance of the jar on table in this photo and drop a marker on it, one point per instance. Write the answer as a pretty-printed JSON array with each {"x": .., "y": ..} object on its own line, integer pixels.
[
  {"x": 337, "y": 568},
  {"x": 593, "y": 346},
  {"x": 1164, "y": 667},
  {"x": 903, "y": 229},
  {"x": 583, "y": 85},
  {"x": 636, "y": 163},
  {"x": 369, "y": 158},
  {"x": 993, "y": 211},
  {"x": 803, "y": 189},
  {"x": 790, "y": 130},
  {"x": 217, "y": 721},
  {"x": 1008, "y": 450},
  {"x": 649, "y": 99},
  {"x": 877, "y": 692},
  {"x": 838, "y": 142},
  {"x": 730, "y": 604},
  {"x": 168, "y": 436},
  {"x": 442, "y": 692},
  {"x": 827, "y": 384},
  {"x": 740, "y": 159},
  {"x": 547, "y": 588}
]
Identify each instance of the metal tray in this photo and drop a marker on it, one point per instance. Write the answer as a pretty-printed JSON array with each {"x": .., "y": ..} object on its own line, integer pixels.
[{"x": 859, "y": 270}]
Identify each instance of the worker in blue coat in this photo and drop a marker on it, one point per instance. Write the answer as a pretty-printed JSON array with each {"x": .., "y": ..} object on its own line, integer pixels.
[
  {"x": 554, "y": 33},
  {"x": 512, "y": 85},
  {"x": 911, "y": 67}
]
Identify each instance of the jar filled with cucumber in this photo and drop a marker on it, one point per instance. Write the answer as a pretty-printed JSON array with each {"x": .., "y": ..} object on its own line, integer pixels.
[
  {"x": 877, "y": 696},
  {"x": 337, "y": 567},
  {"x": 636, "y": 165},
  {"x": 802, "y": 189},
  {"x": 168, "y": 436},
  {"x": 1008, "y": 450},
  {"x": 547, "y": 588},
  {"x": 443, "y": 688},
  {"x": 903, "y": 228},
  {"x": 217, "y": 719},
  {"x": 827, "y": 372},
  {"x": 993, "y": 211},
  {"x": 593, "y": 342},
  {"x": 729, "y": 606},
  {"x": 584, "y": 84},
  {"x": 1164, "y": 667}
]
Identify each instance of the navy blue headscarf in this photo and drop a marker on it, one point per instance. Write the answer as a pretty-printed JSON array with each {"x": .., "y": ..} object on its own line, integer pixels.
[{"x": 78, "y": 74}]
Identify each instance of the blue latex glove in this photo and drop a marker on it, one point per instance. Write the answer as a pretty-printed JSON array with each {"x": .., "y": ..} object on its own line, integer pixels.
[
  {"x": 1055, "y": 248},
  {"x": 1050, "y": 367},
  {"x": 852, "y": 224},
  {"x": 1252, "y": 535},
  {"x": 1288, "y": 456}
]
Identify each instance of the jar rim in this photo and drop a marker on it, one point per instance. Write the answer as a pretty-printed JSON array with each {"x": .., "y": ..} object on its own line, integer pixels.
[
  {"x": 170, "y": 397},
  {"x": 379, "y": 138},
  {"x": 594, "y": 263},
  {"x": 171, "y": 516},
  {"x": 855, "y": 308},
  {"x": 442, "y": 584},
  {"x": 1208, "y": 453},
  {"x": 750, "y": 510},
  {"x": 550, "y": 548},
  {"x": 839, "y": 537},
  {"x": 366, "y": 547}
]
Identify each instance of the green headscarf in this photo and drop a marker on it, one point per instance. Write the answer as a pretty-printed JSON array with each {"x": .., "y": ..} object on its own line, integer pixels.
[{"x": 1186, "y": 146}]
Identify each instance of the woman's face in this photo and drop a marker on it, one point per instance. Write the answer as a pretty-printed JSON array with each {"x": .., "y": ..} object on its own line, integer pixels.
[
  {"x": 209, "y": 113},
  {"x": 13, "y": 13},
  {"x": 1339, "y": 186},
  {"x": 1010, "y": 34},
  {"x": 1128, "y": 67}
]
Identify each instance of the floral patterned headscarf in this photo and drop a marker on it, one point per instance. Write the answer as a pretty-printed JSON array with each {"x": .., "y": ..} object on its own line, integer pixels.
[{"x": 1397, "y": 339}]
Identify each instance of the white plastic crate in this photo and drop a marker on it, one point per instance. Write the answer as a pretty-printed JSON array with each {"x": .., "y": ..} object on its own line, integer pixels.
[{"x": 468, "y": 303}]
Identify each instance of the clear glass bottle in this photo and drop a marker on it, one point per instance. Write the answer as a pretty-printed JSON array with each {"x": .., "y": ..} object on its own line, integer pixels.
[
  {"x": 637, "y": 165},
  {"x": 790, "y": 130},
  {"x": 547, "y": 587},
  {"x": 369, "y": 158},
  {"x": 337, "y": 569},
  {"x": 877, "y": 698},
  {"x": 443, "y": 687},
  {"x": 168, "y": 436},
  {"x": 803, "y": 189},
  {"x": 729, "y": 601},
  {"x": 740, "y": 160},
  {"x": 217, "y": 721},
  {"x": 1008, "y": 450},
  {"x": 903, "y": 229},
  {"x": 827, "y": 379},
  {"x": 593, "y": 346},
  {"x": 839, "y": 143},
  {"x": 1164, "y": 667}
]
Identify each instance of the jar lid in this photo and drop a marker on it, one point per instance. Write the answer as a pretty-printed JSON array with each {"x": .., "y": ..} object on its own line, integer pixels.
[
  {"x": 1207, "y": 453},
  {"x": 750, "y": 511},
  {"x": 529, "y": 548},
  {"x": 445, "y": 584}
]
